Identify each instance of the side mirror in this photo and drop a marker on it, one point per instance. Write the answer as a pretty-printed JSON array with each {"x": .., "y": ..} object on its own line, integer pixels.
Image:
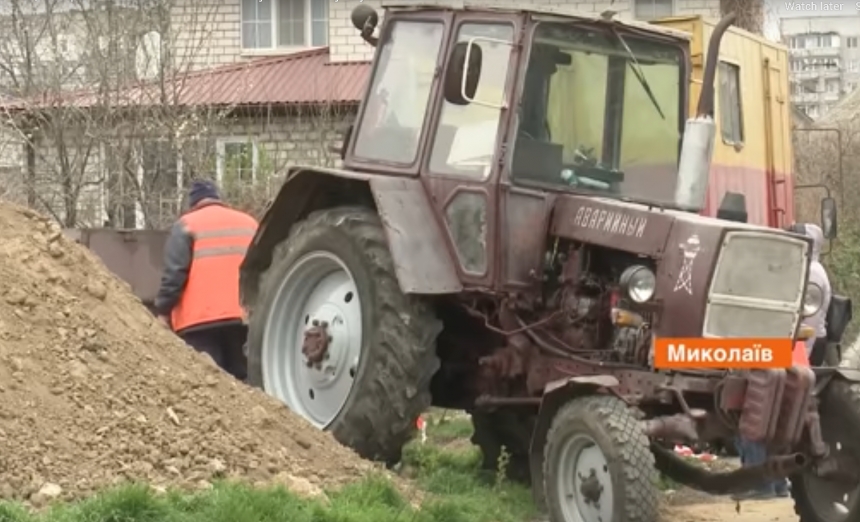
[
  {"x": 828, "y": 217},
  {"x": 463, "y": 73},
  {"x": 365, "y": 19}
]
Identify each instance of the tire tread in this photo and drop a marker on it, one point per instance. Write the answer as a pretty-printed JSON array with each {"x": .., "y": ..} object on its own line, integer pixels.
[
  {"x": 403, "y": 352},
  {"x": 625, "y": 435}
]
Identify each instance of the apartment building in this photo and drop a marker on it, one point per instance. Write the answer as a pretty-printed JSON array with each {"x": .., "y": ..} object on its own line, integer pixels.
[{"x": 825, "y": 59}]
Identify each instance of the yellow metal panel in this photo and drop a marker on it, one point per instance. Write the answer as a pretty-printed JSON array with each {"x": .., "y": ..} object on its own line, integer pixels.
[{"x": 748, "y": 52}]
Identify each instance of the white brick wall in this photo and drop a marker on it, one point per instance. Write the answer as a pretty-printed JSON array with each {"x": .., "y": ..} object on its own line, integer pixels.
[
  {"x": 344, "y": 42},
  {"x": 346, "y": 45},
  {"x": 205, "y": 33},
  {"x": 208, "y": 32},
  {"x": 282, "y": 140},
  {"x": 11, "y": 166}
]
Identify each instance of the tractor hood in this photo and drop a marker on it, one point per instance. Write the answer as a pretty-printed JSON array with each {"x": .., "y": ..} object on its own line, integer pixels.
[{"x": 701, "y": 263}]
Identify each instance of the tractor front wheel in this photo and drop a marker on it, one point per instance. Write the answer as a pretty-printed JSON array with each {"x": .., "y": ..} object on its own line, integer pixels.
[{"x": 598, "y": 466}]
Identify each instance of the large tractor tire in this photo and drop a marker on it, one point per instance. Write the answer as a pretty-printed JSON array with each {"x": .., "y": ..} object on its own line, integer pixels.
[
  {"x": 335, "y": 269},
  {"x": 504, "y": 432},
  {"x": 833, "y": 500},
  {"x": 598, "y": 466}
]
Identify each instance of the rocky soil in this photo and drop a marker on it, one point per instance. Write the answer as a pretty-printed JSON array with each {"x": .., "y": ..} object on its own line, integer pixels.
[{"x": 93, "y": 391}]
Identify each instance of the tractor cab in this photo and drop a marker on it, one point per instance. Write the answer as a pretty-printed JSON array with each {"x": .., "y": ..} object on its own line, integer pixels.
[
  {"x": 525, "y": 97},
  {"x": 496, "y": 110}
]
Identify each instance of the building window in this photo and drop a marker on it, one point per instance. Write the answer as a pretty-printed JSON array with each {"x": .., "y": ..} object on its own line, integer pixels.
[
  {"x": 854, "y": 65},
  {"x": 237, "y": 161},
  {"x": 278, "y": 24},
  {"x": 731, "y": 111},
  {"x": 852, "y": 42},
  {"x": 653, "y": 9}
]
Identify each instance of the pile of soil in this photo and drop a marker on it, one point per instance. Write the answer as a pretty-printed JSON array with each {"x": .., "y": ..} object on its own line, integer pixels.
[{"x": 94, "y": 391}]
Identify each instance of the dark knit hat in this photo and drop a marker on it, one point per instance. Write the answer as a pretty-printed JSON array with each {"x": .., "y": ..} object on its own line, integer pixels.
[{"x": 200, "y": 190}]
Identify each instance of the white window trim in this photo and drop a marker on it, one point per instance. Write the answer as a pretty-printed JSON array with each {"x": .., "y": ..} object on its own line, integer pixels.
[
  {"x": 139, "y": 218},
  {"x": 221, "y": 153},
  {"x": 741, "y": 138},
  {"x": 275, "y": 49}
]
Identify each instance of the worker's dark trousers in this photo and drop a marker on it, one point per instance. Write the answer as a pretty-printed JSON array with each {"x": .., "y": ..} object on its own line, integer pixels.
[{"x": 224, "y": 344}]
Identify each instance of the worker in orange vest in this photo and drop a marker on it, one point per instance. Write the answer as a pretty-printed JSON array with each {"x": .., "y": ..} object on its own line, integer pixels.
[
  {"x": 755, "y": 453},
  {"x": 199, "y": 293}
]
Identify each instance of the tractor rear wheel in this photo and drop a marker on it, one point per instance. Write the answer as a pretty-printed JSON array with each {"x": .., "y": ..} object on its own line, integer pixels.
[
  {"x": 598, "y": 466},
  {"x": 367, "y": 379}
]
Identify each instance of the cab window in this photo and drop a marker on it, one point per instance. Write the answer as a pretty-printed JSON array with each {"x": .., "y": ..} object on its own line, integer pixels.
[
  {"x": 396, "y": 107},
  {"x": 731, "y": 111},
  {"x": 466, "y": 138}
]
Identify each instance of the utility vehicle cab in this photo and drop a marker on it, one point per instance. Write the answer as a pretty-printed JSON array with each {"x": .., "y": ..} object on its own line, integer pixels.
[{"x": 526, "y": 99}]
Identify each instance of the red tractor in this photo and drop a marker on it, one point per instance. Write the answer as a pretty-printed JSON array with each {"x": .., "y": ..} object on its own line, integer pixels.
[{"x": 515, "y": 223}]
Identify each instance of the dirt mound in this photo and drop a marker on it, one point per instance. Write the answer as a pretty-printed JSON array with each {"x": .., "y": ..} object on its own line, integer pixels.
[{"x": 94, "y": 391}]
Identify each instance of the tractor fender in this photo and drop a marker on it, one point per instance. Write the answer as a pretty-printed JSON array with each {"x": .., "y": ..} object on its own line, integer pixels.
[
  {"x": 422, "y": 259},
  {"x": 555, "y": 395}
]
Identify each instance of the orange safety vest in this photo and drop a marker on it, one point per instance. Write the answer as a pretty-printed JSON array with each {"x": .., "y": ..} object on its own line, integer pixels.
[
  {"x": 221, "y": 236},
  {"x": 798, "y": 355}
]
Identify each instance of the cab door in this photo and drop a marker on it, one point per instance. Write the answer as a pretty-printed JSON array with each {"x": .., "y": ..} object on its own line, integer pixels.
[{"x": 462, "y": 157}]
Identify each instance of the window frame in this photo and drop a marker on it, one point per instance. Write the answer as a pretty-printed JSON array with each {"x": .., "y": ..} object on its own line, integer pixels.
[
  {"x": 275, "y": 23},
  {"x": 650, "y": 5},
  {"x": 453, "y": 38},
  {"x": 354, "y": 161},
  {"x": 221, "y": 156},
  {"x": 735, "y": 139}
]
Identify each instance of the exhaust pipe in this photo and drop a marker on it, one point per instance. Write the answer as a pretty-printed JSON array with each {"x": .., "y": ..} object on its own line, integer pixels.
[
  {"x": 739, "y": 480},
  {"x": 706, "y": 98},
  {"x": 697, "y": 149}
]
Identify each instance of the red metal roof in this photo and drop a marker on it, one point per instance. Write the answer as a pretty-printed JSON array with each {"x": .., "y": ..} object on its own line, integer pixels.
[{"x": 304, "y": 78}]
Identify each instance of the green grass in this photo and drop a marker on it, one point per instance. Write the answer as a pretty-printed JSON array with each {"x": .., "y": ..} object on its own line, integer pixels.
[{"x": 447, "y": 470}]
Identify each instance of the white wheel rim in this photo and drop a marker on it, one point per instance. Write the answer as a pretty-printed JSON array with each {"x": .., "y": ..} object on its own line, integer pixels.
[
  {"x": 582, "y": 461},
  {"x": 318, "y": 287}
]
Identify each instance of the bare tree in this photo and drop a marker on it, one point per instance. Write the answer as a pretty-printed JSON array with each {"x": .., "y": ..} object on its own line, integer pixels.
[
  {"x": 828, "y": 154},
  {"x": 98, "y": 84},
  {"x": 750, "y": 13},
  {"x": 106, "y": 121}
]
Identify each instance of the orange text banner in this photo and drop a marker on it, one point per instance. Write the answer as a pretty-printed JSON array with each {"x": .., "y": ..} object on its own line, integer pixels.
[{"x": 693, "y": 353}]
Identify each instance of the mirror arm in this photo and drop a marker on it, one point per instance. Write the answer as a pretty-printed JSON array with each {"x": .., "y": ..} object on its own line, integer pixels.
[{"x": 373, "y": 41}]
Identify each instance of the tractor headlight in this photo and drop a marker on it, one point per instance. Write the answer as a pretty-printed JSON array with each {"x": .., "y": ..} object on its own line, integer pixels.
[
  {"x": 813, "y": 299},
  {"x": 639, "y": 283}
]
